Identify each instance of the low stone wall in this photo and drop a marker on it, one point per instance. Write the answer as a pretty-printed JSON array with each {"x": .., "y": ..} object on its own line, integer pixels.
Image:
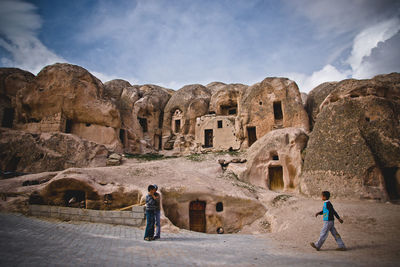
[{"x": 135, "y": 217}]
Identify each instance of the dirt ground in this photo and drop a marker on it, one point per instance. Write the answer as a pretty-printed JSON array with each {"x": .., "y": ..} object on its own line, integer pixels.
[{"x": 370, "y": 229}]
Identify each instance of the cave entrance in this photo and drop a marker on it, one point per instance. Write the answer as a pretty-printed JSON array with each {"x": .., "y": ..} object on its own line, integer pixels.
[
  {"x": 251, "y": 135},
  {"x": 143, "y": 123},
  {"x": 122, "y": 136},
  {"x": 278, "y": 114},
  {"x": 8, "y": 118},
  {"x": 75, "y": 198},
  {"x": 275, "y": 176},
  {"x": 177, "y": 126},
  {"x": 68, "y": 126},
  {"x": 391, "y": 183},
  {"x": 12, "y": 165},
  {"x": 197, "y": 216},
  {"x": 208, "y": 138}
]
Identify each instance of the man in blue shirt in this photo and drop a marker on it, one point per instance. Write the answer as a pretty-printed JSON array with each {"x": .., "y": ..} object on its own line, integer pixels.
[{"x": 328, "y": 213}]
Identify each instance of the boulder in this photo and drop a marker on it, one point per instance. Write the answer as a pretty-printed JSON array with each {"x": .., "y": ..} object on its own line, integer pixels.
[
  {"x": 354, "y": 148},
  {"x": 275, "y": 161},
  {"x": 315, "y": 99},
  {"x": 26, "y": 152},
  {"x": 113, "y": 89},
  {"x": 11, "y": 81},
  {"x": 271, "y": 104},
  {"x": 69, "y": 90}
]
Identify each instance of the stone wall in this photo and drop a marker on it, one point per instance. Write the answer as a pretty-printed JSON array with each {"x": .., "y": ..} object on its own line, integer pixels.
[
  {"x": 222, "y": 129},
  {"x": 52, "y": 123},
  {"x": 131, "y": 218}
]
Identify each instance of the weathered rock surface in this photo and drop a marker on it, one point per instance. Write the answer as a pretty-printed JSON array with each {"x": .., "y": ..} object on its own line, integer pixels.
[
  {"x": 275, "y": 161},
  {"x": 272, "y": 104},
  {"x": 70, "y": 90},
  {"x": 27, "y": 153},
  {"x": 181, "y": 182},
  {"x": 11, "y": 81},
  {"x": 225, "y": 99},
  {"x": 180, "y": 115},
  {"x": 315, "y": 99},
  {"x": 354, "y": 148},
  {"x": 114, "y": 88}
]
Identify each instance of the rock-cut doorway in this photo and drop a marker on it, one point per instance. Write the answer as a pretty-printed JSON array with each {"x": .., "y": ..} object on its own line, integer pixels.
[
  {"x": 275, "y": 178},
  {"x": 197, "y": 216}
]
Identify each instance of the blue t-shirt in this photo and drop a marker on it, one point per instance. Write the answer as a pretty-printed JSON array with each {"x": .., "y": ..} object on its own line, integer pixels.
[{"x": 328, "y": 211}]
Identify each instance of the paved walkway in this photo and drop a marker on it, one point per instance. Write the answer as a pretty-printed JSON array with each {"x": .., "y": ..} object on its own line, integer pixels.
[{"x": 27, "y": 241}]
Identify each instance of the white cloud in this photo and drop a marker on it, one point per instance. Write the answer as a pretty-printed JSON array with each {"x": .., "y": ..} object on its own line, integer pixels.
[
  {"x": 327, "y": 74},
  {"x": 366, "y": 41},
  {"x": 19, "y": 24}
]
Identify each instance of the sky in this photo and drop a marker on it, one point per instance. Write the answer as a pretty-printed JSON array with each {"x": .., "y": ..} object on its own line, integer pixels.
[{"x": 173, "y": 43}]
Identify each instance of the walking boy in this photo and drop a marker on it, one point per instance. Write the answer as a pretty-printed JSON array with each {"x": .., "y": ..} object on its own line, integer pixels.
[
  {"x": 151, "y": 206},
  {"x": 157, "y": 214},
  {"x": 329, "y": 226}
]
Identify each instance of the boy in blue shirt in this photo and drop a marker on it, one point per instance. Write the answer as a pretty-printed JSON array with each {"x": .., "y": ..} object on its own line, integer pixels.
[{"x": 328, "y": 213}]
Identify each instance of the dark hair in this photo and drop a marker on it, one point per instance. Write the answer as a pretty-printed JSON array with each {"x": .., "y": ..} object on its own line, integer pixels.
[
  {"x": 150, "y": 187},
  {"x": 326, "y": 194}
]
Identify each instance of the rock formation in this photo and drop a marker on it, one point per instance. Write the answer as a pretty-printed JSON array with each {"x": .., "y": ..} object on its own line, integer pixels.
[
  {"x": 67, "y": 98},
  {"x": 275, "y": 161},
  {"x": 11, "y": 81},
  {"x": 315, "y": 99},
  {"x": 180, "y": 114},
  {"x": 142, "y": 114},
  {"x": 354, "y": 148},
  {"x": 27, "y": 152},
  {"x": 272, "y": 104}
]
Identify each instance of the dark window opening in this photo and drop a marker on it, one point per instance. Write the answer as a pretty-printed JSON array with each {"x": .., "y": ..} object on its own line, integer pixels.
[
  {"x": 367, "y": 119},
  {"x": 229, "y": 109},
  {"x": 143, "y": 123},
  {"x": 177, "y": 126},
  {"x": 68, "y": 126},
  {"x": 278, "y": 114},
  {"x": 122, "y": 136},
  {"x": 274, "y": 155},
  {"x": 211, "y": 112},
  {"x": 197, "y": 216},
  {"x": 74, "y": 198},
  {"x": 219, "y": 124},
  {"x": 275, "y": 175},
  {"x": 12, "y": 165},
  {"x": 8, "y": 118},
  {"x": 251, "y": 135},
  {"x": 260, "y": 103},
  {"x": 208, "y": 138},
  {"x": 33, "y": 120},
  {"x": 88, "y": 124},
  {"x": 219, "y": 207},
  {"x": 391, "y": 183}
]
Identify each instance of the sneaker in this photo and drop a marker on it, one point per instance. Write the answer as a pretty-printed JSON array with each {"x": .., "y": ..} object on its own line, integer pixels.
[
  {"x": 147, "y": 238},
  {"x": 341, "y": 249},
  {"x": 314, "y": 246}
]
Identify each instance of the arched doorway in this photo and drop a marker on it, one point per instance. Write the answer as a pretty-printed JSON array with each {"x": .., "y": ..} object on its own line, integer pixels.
[{"x": 197, "y": 216}]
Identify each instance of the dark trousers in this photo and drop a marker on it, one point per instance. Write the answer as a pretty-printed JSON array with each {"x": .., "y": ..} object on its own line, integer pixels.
[{"x": 150, "y": 218}]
